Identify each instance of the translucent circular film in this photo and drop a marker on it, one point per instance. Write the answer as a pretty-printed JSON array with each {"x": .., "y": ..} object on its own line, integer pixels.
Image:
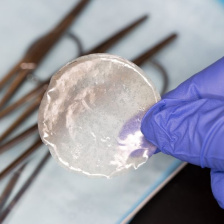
[{"x": 90, "y": 115}]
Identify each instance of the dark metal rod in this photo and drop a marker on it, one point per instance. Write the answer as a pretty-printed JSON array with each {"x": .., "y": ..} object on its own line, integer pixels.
[
  {"x": 17, "y": 139},
  {"x": 149, "y": 53},
  {"x": 25, "y": 186},
  {"x": 9, "y": 187},
  {"x": 10, "y": 74},
  {"x": 21, "y": 118},
  {"x": 30, "y": 95},
  {"x": 21, "y": 158},
  {"x": 15, "y": 85},
  {"x": 105, "y": 45}
]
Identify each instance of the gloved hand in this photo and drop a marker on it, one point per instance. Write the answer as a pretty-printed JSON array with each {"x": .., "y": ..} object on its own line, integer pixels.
[{"x": 188, "y": 123}]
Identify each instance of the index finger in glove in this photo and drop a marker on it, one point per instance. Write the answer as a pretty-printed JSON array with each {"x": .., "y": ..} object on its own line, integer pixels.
[
  {"x": 208, "y": 83},
  {"x": 217, "y": 182},
  {"x": 191, "y": 131}
]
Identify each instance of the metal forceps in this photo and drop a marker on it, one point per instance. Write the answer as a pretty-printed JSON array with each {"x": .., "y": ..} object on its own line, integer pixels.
[{"x": 35, "y": 54}]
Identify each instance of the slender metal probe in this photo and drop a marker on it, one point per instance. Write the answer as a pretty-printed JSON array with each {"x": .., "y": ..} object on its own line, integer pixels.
[
  {"x": 29, "y": 110},
  {"x": 21, "y": 158},
  {"x": 105, "y": 45},
  {"x": 24, "y": 99},
  {"x": 17, "y": 139},
  {"x": 24, "y": 188},
  {"x": 9, "y": 187},
  {"x": 153, "y": 50}
]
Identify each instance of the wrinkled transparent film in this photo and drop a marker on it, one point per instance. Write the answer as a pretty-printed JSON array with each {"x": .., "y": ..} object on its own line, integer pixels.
[{"x": 90, "y": 115}]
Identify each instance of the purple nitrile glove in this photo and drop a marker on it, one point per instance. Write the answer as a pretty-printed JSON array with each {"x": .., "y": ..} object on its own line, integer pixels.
[{"x": 188, "y": 123}]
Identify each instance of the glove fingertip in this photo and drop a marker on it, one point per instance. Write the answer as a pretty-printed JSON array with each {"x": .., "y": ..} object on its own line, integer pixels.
[
  {"x": 217, "y": 183},
  {"x": 148, "y": 124},
  {"x": 157, "y": 151}
]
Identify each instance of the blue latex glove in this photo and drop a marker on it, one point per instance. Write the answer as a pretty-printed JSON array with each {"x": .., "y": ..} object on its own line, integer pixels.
[{"x": 188, "y": 123}]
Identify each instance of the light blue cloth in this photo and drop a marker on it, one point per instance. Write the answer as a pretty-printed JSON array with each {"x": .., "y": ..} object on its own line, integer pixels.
[{"x": 58, "y": 196}]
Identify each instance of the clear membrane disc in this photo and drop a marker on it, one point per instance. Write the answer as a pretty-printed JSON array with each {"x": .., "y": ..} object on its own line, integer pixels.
[{"x": 90, "y": 115}]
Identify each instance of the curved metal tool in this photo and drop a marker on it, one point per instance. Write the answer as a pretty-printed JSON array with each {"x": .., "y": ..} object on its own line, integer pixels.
[
  {"x": 37, "y": 52},
  {"x": 24, "y": 187},
  {"x": 164, "y": 74}
]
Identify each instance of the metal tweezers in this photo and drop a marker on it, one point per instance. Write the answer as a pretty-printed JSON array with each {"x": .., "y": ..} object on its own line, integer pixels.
[{"x": 35, "y": 54}]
